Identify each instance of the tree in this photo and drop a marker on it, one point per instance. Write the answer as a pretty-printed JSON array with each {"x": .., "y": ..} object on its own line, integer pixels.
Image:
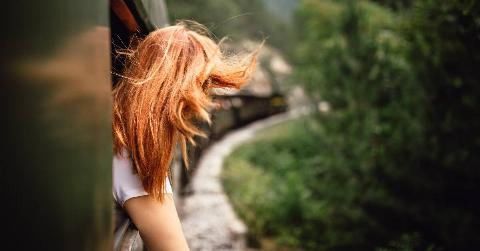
[{"x": 404, "y": 92}]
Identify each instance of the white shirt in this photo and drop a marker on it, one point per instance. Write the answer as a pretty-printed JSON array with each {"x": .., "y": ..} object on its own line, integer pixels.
[{"x": 126, "y": 183}]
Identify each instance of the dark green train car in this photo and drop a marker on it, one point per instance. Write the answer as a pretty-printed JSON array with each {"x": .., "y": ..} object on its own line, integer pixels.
[{"x": 56, "y": 125}]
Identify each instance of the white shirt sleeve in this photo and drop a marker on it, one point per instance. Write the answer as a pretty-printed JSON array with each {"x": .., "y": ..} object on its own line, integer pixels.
[{"x": 126, "y": 183}]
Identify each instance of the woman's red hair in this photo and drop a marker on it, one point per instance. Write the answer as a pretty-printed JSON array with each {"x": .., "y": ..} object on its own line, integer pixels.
[{"x": 162, "y": 90}]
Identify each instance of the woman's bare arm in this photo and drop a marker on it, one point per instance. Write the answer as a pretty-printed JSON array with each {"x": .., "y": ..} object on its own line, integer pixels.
[{"x": 157, "y": 222}]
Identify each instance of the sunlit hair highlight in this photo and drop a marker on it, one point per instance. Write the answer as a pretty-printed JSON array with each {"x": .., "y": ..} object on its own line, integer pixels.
[{"x": 161, "y": 93}]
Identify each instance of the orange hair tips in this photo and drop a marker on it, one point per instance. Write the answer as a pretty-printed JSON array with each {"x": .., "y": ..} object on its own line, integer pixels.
[{"x": 162, "y": 90}]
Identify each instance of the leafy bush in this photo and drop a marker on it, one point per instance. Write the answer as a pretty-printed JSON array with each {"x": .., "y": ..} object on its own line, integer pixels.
[
  {"x": 283, "y": 188},
  {"x": 361, "y": 68},
  {"x": 270, "y": 182},
  {"x": 404, "y": 92},
  {"x": 395, "y": 162}
]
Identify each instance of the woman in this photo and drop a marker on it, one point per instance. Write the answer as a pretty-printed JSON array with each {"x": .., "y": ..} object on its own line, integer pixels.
[{"x": 163, "y": 90}]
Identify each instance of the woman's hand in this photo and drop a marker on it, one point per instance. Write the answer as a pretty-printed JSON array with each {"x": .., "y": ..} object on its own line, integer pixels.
[{"x": 157, "y": 222}]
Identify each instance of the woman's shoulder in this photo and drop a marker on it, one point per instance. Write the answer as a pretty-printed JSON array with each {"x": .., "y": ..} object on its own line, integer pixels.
[{"x": 126, "y": 183}]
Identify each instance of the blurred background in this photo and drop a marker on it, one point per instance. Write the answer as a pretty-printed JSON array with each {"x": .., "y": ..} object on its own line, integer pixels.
[
  {"x": 387, "y": 158},
  {"x": 360, "y": 129}
]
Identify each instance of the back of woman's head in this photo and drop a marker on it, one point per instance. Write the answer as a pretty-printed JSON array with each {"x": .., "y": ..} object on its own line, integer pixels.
[{"x": 163, "y": 89}]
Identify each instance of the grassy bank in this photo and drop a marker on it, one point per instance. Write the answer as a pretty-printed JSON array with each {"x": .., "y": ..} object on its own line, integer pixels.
[
  {"x": 296, "y": 190},
  {"x": 270, "y": 181}
]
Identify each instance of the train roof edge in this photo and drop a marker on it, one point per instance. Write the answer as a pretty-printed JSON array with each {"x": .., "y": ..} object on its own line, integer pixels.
[
  {"x": 141, "y": 16},
  {"x": 153, "y": 13}
]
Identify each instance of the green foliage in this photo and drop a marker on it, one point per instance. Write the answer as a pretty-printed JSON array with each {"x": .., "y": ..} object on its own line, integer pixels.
[
  {"x": 407, "y": 242},
  {"x": 445, "y": 56},
  {"x": 404, "y": 94},
  {"x": 281, "y": 187},
  {"x": 395, "y": 4},
  {"x": 395, "y": 162}
]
